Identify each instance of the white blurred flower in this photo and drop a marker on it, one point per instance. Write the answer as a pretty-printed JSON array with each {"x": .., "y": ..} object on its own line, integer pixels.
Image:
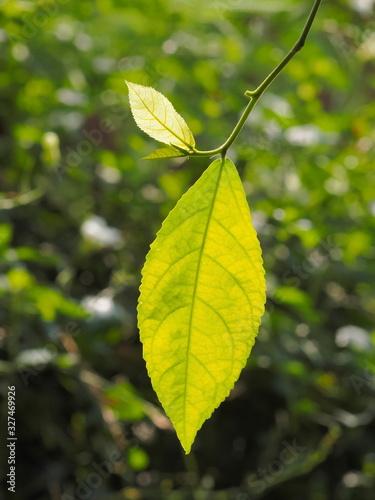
[
  {"x": 309, "y": 135},
  {"x": 363, "y": 6},
  {"x": 100, "y": 305},
  {"x": 96, "y": 230},
  {"x": 352, "y": 335},
  {"x": 303, "y": 135}
]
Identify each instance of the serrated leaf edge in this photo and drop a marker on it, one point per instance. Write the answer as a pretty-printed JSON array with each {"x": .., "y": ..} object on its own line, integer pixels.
[
  {"x": 263, "y": 292},
  {"x": 189, "y": 146}
]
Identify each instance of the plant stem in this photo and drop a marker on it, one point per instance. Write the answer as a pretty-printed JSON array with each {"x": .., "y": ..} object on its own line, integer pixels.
[{"x": 256, "y": 94}]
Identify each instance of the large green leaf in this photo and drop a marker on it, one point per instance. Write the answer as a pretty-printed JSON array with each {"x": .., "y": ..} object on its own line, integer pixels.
[
  {"x": 156, "y": 116},
  {"x": 202, "y": 297}
]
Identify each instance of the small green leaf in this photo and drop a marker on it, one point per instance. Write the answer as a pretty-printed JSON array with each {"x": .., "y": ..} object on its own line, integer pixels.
[
  {"x": 167, "y": 152},
  {"x": 202, "y": 298},
  {"x": 156, "y": 116}
]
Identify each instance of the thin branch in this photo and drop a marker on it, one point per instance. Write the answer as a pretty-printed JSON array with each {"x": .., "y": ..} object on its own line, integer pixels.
[
  {"x": 296, "y": 48},
  {"x": 256, "y": 94}
]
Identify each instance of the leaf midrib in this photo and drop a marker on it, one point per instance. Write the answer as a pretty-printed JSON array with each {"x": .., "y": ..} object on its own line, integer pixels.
[
  {"x": 196, "y": 287},
  {"x": 161, "y": 123}
]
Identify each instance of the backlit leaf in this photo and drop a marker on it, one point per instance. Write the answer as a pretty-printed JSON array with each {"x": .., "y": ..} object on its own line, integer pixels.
[
  {"x": 202, "y": 297},
  {"x": 167, "y": 152},
  {"x": 156, "y": 116}
]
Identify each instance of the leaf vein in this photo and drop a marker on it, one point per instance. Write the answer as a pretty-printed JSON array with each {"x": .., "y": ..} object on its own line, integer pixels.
[
  {"x": 172, "y": 132},
  {"x": 196, "y": 287}
]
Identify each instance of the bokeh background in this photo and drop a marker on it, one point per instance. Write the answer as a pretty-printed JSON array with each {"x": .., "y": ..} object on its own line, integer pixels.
[{"x": 79, "y": 208}]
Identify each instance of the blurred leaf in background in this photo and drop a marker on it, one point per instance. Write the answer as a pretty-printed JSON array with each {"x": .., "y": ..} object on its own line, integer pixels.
[{"x": 79, "y": 209}]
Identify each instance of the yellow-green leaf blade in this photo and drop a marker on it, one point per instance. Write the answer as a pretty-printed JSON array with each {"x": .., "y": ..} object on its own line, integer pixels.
[
  {"x": 167, "y": 152},
  {"x": 156, "y": 116},
  {"x": 202, "y": 297}
]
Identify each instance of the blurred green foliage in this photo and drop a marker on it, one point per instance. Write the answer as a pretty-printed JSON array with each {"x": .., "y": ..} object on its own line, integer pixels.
[{"x": 79, "y": 210}]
